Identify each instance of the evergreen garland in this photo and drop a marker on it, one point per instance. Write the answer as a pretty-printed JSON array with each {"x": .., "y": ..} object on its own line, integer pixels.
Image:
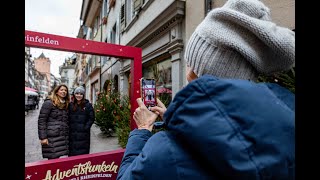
[{"x": 285, "y": 79}]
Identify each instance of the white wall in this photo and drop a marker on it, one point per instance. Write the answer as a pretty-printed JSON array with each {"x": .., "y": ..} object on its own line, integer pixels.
[{"x": 144, "y": 19}]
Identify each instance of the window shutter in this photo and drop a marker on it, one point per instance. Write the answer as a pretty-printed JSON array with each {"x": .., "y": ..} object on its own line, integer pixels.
[
  {"x": 122, "y": 17},
  {"x": 137, "y": 5}
]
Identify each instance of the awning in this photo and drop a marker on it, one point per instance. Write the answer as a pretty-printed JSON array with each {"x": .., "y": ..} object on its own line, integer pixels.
[
  {"x": 164, "y": 90},
  {"x": 30, "y": 89},
  {"x": 31, "y": 93}
]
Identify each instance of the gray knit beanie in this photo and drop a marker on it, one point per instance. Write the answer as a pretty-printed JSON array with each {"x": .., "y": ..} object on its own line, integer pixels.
[
  {"x": 79, "y": 89},
  {"x": 239, "y": 41}
]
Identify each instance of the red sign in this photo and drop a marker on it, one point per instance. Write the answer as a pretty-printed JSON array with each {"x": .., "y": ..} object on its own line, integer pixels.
[{"x": 95, "y": 166}]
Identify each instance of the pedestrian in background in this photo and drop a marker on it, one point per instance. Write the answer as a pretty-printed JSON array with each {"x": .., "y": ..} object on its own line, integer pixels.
[
  {"x": 37, "y": 101},
  {"x": 81, "y": 118},
  {"x": 53, "y": 129},
  {"x": 223, "y": 125}
]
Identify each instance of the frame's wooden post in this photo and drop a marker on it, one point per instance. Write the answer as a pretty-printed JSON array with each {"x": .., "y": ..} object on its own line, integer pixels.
[{"x": 136, "y": 74}]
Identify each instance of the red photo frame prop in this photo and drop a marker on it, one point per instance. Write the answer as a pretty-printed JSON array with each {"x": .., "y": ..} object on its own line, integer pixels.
[{"x": 103, "y": 165}]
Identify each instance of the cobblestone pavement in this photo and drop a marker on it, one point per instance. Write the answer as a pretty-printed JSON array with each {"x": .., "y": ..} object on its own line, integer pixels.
[{"x": 99, "y": 142}]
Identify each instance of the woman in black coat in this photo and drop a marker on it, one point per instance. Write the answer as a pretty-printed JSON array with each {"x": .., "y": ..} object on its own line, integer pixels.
[
  {"x": 81, "y": 118},
  {"x": 53, "y": 129}
]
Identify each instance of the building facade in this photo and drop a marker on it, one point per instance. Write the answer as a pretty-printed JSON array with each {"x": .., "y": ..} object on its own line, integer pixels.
[
  {"x": 42, "y": 64},
  {"x": 67, "y": 73},
  {"x": 90, "y": 16},
  {"x": 28, "y": 69},
  {"x": 161, "y": 28}
]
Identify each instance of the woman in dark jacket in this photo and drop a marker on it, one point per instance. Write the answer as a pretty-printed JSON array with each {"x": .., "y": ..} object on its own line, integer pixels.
[
  {"x": 53, "y": 127},
  {"x": 81, "y": 118}
]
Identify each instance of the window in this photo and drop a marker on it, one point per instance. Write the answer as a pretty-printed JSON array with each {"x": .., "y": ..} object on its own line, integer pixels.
[
  {"x": 93, "y": 61},
  {"x": 85, "y": 30},
  {"x": 115, "y": 83},
  {"x": 105, "y": 8},
  {"x": 94, "y": 91},
  {"x": 91, "y": 34},
  {"x": 137, "y": 4},
  {"x": 103, "y": 60},
  {"x": 96, "y": 26},
  {"x": 129, "y": 12},
  {"x": 113, "y": 34},
  {"x": 89, "y": 65},
  {"x": 122, "y": 17},
  {"x": 87, "y": 70}
]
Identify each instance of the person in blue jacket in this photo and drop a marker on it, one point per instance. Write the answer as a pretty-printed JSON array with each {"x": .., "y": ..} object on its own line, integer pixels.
[{"x": 223, "y": 124}]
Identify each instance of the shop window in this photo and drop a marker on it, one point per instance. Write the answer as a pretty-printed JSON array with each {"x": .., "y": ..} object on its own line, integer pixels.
[{"x": 161, "y": 72}]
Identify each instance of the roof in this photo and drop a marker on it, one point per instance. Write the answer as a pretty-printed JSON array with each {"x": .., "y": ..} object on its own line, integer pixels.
[{"x": 42, "y": 56}]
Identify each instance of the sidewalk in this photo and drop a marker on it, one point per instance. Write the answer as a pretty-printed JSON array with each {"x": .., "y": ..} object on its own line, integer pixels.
[{"x": 99, "y": 142}]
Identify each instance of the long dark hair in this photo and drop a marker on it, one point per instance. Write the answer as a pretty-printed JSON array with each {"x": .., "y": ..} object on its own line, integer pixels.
[{"x": 76, "y": 105}]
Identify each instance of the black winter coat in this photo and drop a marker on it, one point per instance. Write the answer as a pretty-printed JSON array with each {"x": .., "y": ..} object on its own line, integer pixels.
[
  {"x": 80, "y": 122},
  {"x": 53, "y": 125}
]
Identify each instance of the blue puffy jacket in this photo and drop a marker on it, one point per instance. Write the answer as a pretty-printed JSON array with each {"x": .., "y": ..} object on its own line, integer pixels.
[{"x": 218, "y": 129}]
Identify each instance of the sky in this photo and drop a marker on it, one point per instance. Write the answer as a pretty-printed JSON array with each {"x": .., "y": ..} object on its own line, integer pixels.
[{"x": 58, "y": 17}]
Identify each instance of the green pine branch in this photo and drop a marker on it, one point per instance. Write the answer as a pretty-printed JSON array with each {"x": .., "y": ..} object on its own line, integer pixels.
[{"x": 285, "y": 79}]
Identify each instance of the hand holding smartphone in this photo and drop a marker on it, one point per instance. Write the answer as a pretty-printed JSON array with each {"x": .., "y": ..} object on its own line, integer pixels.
[
  {"x": 148, "y": 96},
  {"x": 148, "y": 92}
]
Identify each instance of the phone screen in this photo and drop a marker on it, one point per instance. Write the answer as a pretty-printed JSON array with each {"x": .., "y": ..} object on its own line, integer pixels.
[{"x": 148, "y": 92}]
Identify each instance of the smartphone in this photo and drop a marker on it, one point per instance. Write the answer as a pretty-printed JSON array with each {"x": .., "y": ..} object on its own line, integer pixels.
[{"x": 148, "y": 92}]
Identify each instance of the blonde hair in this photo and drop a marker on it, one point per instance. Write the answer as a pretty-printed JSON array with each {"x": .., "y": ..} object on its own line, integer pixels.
[{"x": 55, "y": 99}]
